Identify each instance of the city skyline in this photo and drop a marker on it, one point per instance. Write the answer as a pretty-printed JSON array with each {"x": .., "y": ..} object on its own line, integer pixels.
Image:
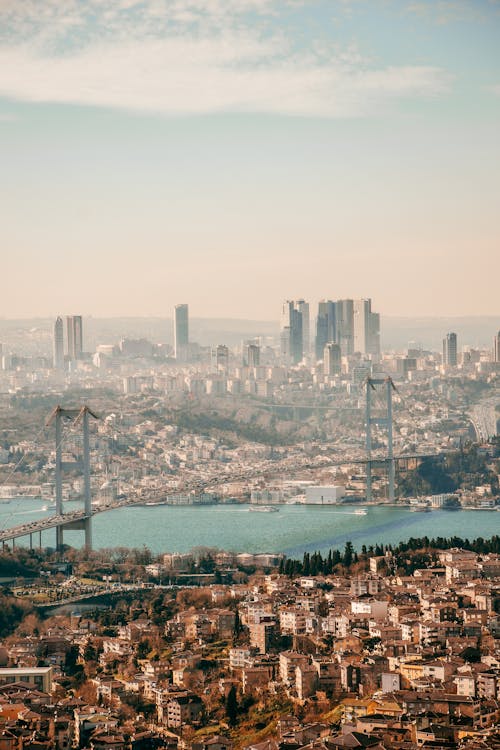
[{"x": 234, "y": 155}]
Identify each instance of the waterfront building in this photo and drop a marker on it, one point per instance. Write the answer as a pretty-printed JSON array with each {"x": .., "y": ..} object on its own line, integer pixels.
[
  {"x": 325, "y": 495},
  {"x": 74, "y": 332},
  {"x": 181, "y": 332},
  {"x": 58, "y": 344}
]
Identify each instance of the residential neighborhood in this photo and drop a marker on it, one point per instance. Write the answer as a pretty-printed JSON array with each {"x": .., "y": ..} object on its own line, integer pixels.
[{"x": 256, "y": 658}]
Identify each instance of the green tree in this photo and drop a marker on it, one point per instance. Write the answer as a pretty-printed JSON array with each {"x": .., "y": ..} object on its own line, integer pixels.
[
  {"x": 348, "y": 554},
  {"x": 232, "y": 706}
]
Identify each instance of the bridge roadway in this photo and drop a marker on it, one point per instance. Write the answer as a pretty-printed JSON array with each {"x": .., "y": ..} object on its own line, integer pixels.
[{"x": 75, "y": 520}]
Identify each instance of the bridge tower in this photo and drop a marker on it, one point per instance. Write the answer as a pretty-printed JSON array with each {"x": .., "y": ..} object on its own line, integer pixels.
[
  {"x": 77, "y": 416},
  {"x": 386, "y": 422}
]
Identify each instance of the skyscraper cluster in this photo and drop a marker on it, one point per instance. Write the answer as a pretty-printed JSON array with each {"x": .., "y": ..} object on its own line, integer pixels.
[
  {"x": 74, "y": 338},
  {"x": 349, "y": 324}
]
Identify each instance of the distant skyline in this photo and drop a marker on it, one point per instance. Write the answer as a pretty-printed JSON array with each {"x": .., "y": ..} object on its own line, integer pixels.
[
  {"x": 235, "y": 154},
  {"x": 476, "y": 331}
]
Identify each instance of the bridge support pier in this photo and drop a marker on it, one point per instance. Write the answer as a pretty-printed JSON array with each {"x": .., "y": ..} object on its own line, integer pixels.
[{"x": 88, "y": 532}]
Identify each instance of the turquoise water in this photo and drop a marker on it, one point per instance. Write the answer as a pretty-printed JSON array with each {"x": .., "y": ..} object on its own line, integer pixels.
[{"x": 293, "y": 530}]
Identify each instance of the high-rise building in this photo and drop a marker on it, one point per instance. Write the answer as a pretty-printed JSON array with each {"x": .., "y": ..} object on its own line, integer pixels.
[
  {"x": 291, "y": 338},
  {"x": 496, "y": 348},
  {"x": 253, "y": 355},
  {"x": 366, "y": 328},
  {"x": 303, "y": 308},
  {"x": 450, "y": 350},
  {"x": 332, "y": 359},
  {"x": 58, "y": 344},
  {"x": 345, "y": 325},
  {"x": 181, "y": 332},
  {"x": 220, "y": 357},
  {"x": 326, "y": 327},
  {"x": 74, "y": 331}
]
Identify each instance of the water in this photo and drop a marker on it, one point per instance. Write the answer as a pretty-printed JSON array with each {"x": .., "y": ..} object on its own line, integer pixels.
[{"x": 293, "y": 530}]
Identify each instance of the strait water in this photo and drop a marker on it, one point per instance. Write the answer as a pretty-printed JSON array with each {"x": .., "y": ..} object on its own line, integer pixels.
[{"x": 292, "y": 530}]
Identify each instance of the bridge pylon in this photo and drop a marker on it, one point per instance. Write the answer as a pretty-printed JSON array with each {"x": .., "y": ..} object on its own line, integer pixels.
[
  {"x": 77, "y": 416},
  {"x": 386, "y": 422}
]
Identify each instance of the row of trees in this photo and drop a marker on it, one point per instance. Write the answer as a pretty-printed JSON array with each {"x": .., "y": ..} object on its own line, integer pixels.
[{"x": 317, "y": 564}]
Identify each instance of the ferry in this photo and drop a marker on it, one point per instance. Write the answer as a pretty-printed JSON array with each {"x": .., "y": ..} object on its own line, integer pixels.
[{"x": 263, "y": 509}]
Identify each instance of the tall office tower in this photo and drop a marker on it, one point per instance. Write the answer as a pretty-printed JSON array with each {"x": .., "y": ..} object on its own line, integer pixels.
[
  {"x": 303, "y": 308},
  {"x": 58, "y": 344},
  {"x": 74, "y": 331},
  {"x": 374, "y": 334},
  {"x": 345, "y": 325},
  {"x": 220, "y": 357},
  {"x": 326, "y": 326},
  {"x": 332, "y": 359},
  {"x": 496, "y": 348},
  {"x": 291, "y": 333},
  {"x": 181, "y": 332},
  {"x": 450, "y": 350},
  {"x": 253, "y": 355},
  {"x": 366, "y": 328}
]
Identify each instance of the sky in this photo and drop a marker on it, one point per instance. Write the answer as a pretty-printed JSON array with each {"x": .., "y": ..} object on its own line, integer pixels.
[{"x": 235, "y": 153}]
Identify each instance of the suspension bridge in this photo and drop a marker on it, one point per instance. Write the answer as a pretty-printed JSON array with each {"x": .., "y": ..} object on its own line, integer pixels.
[{"x": 81, "y": 520}]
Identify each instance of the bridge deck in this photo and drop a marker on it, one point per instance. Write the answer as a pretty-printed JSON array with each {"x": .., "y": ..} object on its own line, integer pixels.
[{"x": 34, "y": 527}]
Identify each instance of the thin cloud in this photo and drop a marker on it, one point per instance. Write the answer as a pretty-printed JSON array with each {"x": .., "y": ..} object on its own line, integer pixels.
[
  {"x": 189, "y": 57},
  {"x": 443, "y": 12}
]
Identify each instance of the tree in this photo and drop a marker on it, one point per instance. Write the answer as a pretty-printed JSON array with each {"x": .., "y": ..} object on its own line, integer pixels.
[
  {"x": 348, "y": 554},
  {"x": 471, "y": 654},
  {"x": 232, "y": 706}
]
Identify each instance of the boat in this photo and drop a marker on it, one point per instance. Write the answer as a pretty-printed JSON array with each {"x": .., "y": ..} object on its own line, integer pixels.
[
  {"x": 360, "y": 512},
  {"x": 420, "y": 509},
  {"x": 263, "y": 509},
  {"x": 45, "y": 507}
]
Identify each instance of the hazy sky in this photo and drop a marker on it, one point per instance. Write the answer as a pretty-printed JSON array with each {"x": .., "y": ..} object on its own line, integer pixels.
[{"x": 232, "y": 153}]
